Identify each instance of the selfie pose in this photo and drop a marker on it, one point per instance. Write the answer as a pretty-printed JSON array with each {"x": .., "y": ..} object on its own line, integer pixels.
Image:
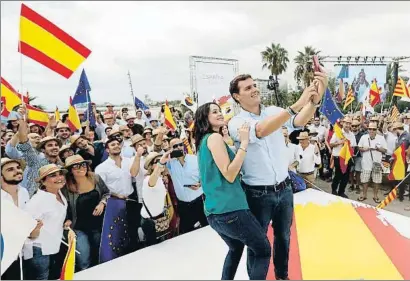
[{"x": 225, "y": 201}]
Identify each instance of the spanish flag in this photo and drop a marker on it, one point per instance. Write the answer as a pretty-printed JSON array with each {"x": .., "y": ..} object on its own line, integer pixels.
[
  {"x": 67, "y": 272},
  {"x": 401, "y": 90},
  {"x": 46, "y": 43},
  {"x": 398, "y": 168},
  {"x": 57, "y": 114},
  {"x": 73, "y": 120},
  {"x": 374, "y": 94},
  {"x": 169, "y": 119},
  {"x": 349, "y": 98},
  {"x": 12, "y": 99},
  {"x": 345, "y": 155},
  {"x": 337, "y": 128}
]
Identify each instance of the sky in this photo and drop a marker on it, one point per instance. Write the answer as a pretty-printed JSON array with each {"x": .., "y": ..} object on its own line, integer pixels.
[{"x": 153, "y": 40}]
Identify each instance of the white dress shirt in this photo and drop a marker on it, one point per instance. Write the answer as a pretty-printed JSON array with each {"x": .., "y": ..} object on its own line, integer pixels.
[
  {"x": 44, "y": 206},
  {"x": 118, "y": 180},
  {"x": 350, "y": 136},
  {"x": 367, "y": 160},
  {"x": 391, "y": 142},
  {"x": 139, "y": 179},
  {"x": 140, "y": 121},
  {"x": 127, "y": 150},
  {"x": 293, "y": 154},
  {"x": 320, "y": 130},
  {"x": 154, "y": 198},
  {"x": 22, "y": 196},
  {"x": 308, "y": 159}
]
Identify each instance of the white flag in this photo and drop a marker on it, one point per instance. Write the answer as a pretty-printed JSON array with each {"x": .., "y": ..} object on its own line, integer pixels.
[
  {"x": 16, "y": 226},
  {"x": 189, "y": 103}
]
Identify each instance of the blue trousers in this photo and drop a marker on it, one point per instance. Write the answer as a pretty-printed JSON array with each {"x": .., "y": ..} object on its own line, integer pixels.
[
  {"x": 268, "y": 205},
  {"x": 238, "y": 229}
]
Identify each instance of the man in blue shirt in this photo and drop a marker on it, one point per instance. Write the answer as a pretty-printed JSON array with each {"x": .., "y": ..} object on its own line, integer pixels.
[{"x": 265, "y": 177}]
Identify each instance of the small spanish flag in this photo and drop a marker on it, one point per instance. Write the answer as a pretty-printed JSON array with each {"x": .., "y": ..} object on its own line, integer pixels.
[
  {"x": 169, "y": 119},
  {"x": 67, "y": 272},
  {"x": 57, "y": 114},
  {"x": 398, "y": 168},
  {"x": 337, "y": 128},
  {"x": 73, "y": 120},
  {"x": 345, "y": 155},
  {"x": 37, "y": 116},
  {"x": 46, "y": 43}
]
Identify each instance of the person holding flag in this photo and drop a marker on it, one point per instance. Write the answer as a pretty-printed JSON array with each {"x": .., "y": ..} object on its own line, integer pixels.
[{"x": 341, "y": 177}]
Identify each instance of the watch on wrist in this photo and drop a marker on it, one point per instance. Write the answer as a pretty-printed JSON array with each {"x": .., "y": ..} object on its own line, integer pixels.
[{"x": 316, "y": 104}]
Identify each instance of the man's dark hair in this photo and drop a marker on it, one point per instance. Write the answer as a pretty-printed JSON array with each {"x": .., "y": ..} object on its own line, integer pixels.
[{"x": 233, "y": 86}]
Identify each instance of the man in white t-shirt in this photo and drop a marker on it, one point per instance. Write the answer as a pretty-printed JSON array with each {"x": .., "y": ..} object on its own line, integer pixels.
[
  {"x": 372, "y": 146},
  {"x": 341, "y": 179},
  {"x": 139, "y": 119},
  {"x": 309, "y": 158},
  {"x": 292, "y": 150}
]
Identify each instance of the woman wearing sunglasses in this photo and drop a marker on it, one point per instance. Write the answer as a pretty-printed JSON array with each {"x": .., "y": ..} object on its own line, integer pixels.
[
  {"x": 87, "y": 196},
  {"x": 48, "y": 205},
  {"x": 157, "y": 211},
  {"x": 226, "y": 207}
]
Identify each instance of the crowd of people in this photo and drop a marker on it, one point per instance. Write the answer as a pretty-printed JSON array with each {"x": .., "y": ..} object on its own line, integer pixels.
[{"x": 228, "y": 175}]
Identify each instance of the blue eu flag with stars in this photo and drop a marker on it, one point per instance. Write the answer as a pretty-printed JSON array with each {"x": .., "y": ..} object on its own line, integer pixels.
[
  {"x": 330, "y": 109},
  {"x": 114, "y": 236},
  {"x": 82, "y": 94},
  {"x": 139, "y": 104},
  {"x": 91, "y": 115}
]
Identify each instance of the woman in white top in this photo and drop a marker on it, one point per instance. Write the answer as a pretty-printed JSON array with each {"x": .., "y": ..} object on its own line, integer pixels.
[
  {"x": 153, "y": 194},
  {"x": 50, "y": 206}
]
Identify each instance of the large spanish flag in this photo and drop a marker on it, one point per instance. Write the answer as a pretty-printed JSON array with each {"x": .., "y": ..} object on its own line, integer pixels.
[
  {"x": 169, "y": 119},
  {"x": 49, "y": 45},
  {"x": 73, "y": 120},
  {"x": 320, "y": 248},
  {"x": 398, "y": 168},
  {"x": 374, "y": 94}
]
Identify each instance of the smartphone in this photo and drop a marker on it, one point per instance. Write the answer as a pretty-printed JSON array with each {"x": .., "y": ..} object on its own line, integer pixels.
[
  {"x": 177, "y": 153},
  {"x": 316, "y": 65}
]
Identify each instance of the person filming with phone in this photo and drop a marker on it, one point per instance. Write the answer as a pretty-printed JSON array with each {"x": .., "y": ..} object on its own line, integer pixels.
[{"x": 184, "y": 172}]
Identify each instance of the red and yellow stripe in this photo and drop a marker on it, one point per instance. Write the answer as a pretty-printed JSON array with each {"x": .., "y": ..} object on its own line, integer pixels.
[
  {"x": 401, "y": 90},
  {"x": 67, "y": 272},
  {"x": 73, "y": 120},
  {"x": 389, "y": 198},
  {"x": 169, "y": 119},
  {"x": 398, "y": 168},
  {"x": 49, "y": 45}
]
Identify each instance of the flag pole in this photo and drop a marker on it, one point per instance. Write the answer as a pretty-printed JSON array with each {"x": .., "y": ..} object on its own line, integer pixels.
[
  {"x": 132, "y": 92},
  {"x": 88, "y": 105}
]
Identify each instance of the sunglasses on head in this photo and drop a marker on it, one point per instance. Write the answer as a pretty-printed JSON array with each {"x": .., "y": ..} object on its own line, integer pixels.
[
  {"x": 80, "y": 165},
  {"x": 175, "y": 146}
]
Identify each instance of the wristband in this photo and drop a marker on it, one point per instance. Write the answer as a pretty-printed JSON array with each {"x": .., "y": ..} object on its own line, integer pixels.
[
  {"x": 243, "y": 149},
  {"x": 290, "y": 111},
  {"x": 316, "y": 105}
]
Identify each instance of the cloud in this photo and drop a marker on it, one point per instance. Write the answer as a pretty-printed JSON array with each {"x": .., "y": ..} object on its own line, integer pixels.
[{"x": 153, "y": 40}]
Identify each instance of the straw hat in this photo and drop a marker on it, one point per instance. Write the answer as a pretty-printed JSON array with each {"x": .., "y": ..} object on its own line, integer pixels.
[
  {"x": 136, "y": 139},
  {"x": 313, "y": 132},
  {"x": 147, "y": 130},
  {"x": 150, "y": 158},
  {"x": 6, "y": 160},
  {"x": 114, "y": 131},
  {"x": 347, "y": 120},
  {"x": 129, "y": 117},
  {"x": 62, "y": 125},
  {"x": 48, "y": 170},
  {"x": 372, "y": 126},
  {"x": 123, "y": 128},
  {"x": 154, "y": 119},
  {"x": 74, "y": 138},
  {"x": 47, "y": 139},
  {"x": 303, "y": 136},
  {"x": 374, "y": 119},
  {"x": 75, "y": 159},
  {"x": 355, "y": 122},
  {"x": 64, "y": 147},
  {"x": 397, "y": 125}
]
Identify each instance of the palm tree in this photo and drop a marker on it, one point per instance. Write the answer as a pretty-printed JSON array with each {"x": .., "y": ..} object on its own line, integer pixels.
[
  {"x": 304, "y": 65},
  {"x": 275, "y": 59}
]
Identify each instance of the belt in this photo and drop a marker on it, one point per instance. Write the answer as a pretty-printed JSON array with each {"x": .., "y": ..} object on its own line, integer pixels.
[
  {"x": 275, "y": 188},
  {"x": 307, "y": 174}
]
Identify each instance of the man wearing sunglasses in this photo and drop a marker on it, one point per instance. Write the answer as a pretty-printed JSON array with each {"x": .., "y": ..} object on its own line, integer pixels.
[
  {"x": 184, "y": 172},
  {"x": 355, "y": 174}
]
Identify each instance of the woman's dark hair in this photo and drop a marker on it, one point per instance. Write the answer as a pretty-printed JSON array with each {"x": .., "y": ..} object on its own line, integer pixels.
[
  {"x": 220, "y": 130},
  {"x": 201, "y": 125},
  {"x": 71, "y": 183},
  {"x": 10, "y": 126}
]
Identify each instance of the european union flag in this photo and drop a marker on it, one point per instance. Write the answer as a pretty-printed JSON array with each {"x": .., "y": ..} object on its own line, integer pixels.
[
  {"x": 344, "y": 72},
  {"x": 114, "y": 236},
  {"x": 330, "y": 109},
  {"x": 139, "y": 104},
  {"x": 92, "y": 117},
  {"x": 82, "y": 94}
]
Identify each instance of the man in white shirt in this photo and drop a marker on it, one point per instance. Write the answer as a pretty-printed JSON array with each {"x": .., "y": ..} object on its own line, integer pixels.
[
  {"x": 139, "y": 119},
  {"x": 127, "y": 150},
  {"x": 292, "y": 150},
  {"x": 139, "y": 145},
  {"x": 309, "y": 157},
  {"x": 115, "y": 172},
  {"x": 320, "y": 129},
  {"x": 341, "y": 179},
  {"x": 372, "y": 147}
]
